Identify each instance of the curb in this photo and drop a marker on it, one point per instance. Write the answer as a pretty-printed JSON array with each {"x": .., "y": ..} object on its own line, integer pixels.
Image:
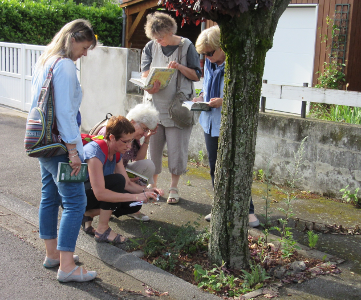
[{"x": 119, "y": 259}]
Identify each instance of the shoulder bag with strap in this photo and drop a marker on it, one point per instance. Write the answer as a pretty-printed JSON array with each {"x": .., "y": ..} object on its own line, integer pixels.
[
  {"x": 181, "y": 115},
  {"x": 42, "y": 137}
]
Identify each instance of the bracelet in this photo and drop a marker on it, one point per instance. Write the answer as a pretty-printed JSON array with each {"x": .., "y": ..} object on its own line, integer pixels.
[
  {"x": 73, "y": 155},
  {"x": 146, "y": 143},
  {"x": 72, "y": 149},
  {"x": 145, "y": 194}
]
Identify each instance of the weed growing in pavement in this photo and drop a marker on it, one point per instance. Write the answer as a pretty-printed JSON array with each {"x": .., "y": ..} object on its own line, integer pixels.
[
  {"x": 260, "y": 175},
  {"x": 163, "y": 247},
  {"x": 200, "y": 156},
  {"x": 255, "y": 278},
  {"x": 349, "y": 196},
  {"x": 287, "y": 242},
  {"x": 312, "y": 239},
  {"x": 188, "y": 183},
  {"x": 151, "y": 243},
  {"x": 216, "y": 279}
]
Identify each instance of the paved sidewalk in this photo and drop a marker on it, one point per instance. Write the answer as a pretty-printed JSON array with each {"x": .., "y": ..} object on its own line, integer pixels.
[{"x": 118, "y": 270}]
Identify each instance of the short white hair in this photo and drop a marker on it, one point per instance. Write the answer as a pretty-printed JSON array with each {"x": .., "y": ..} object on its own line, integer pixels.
[{"x": 144, "y": 113}]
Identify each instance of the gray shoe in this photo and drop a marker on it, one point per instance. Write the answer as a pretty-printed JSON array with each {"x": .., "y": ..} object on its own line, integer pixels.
[
  {"x": 208, "y": 217},
  {"x": 66, "y": 277},
  {"x": 254, "y": 223},
  {"x": 52, "y": 263}
]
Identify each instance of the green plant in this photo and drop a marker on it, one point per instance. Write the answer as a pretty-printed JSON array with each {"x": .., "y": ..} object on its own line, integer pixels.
[
  {"x": 200, "y": 156},
  {"x": 152, "y": 243},
  {"x": 287, "y": 243},
  {"x": 312, "y": 239},
  {"x": 216, "y": 279},
  {"x": 166, "y": 262},
  {"x": 349, "y": 196},
  {"x": 333, "y": 76},
  {"x": 267, "y": 180},
  {"x": 31, "y": 22},
  {"x": 255, "y": 278},
  {"x": 188, "y": 183},
  {"x": 260, "y": 175},
  {"x": 346, "y": 114}
]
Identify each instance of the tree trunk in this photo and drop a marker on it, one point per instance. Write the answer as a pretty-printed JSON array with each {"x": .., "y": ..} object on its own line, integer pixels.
[{"x": 245, "y": 40}]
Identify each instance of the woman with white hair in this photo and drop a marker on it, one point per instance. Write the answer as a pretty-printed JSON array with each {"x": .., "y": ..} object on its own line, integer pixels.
[{"x": 144, "y": 118}]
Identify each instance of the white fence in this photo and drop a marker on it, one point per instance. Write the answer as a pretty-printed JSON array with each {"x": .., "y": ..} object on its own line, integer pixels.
[
  {"x": 18, "y": 60},
  {"x": 16, "y": 65}
]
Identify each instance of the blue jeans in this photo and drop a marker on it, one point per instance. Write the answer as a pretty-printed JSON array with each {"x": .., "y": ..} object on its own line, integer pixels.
[
  {"x": 53, "y": 194},
  {"x": 212, "y": 147}
]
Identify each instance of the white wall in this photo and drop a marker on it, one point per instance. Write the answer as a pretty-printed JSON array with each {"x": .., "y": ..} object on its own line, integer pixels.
[{"x": 104, "y": 78}]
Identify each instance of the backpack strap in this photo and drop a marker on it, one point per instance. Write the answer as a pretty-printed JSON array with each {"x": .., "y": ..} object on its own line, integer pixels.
[{"x": 104, "y": 147}]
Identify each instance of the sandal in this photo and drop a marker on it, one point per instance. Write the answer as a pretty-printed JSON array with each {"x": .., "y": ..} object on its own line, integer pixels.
[
  {"x": 103, "y": 237},
  {"x": 173, "y": 197},
  {"x": 89, "y": 230}
]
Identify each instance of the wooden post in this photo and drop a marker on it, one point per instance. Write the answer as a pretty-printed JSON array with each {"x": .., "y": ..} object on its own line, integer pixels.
[
  {"x": 304, "y": 103},
  {"x": 263, "y": 100}
]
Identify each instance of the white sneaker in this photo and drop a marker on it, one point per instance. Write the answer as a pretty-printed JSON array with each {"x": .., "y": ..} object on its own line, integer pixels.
[{"x": 140, "y": 217}]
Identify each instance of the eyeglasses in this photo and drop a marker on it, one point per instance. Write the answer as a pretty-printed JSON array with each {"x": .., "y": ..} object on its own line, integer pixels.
[
  {"x": 145, "y": 129},
  {"x": 209, "y": 54},
  {"x": 127, "y": 142}
]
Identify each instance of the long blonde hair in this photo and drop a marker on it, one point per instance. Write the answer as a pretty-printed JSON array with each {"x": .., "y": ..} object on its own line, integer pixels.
[{"x": 60, "y": 45}]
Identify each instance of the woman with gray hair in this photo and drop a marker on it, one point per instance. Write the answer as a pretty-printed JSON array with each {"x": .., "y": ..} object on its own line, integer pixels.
[
  {"x": 144, "y": 118},
  {"x": 162, "y": 51}
]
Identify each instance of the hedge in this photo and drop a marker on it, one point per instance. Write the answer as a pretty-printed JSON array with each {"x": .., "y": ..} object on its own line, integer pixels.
[{"x": 36, "y": 23}]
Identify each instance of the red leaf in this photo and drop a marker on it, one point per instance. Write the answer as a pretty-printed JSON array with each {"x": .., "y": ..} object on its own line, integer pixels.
[
  {"x": 177, "y": 13},
  {"x": 198, "y": 21},
  {"x": 182, "y": 23}
]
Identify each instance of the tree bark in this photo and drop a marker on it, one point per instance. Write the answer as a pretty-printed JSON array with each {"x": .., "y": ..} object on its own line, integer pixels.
[{"x": 245, "y": 40}]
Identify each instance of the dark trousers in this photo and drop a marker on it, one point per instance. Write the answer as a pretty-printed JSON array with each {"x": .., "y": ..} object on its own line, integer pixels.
[
  {"x": 115, "y": 183},
  {"x": 212, "y": 147}
]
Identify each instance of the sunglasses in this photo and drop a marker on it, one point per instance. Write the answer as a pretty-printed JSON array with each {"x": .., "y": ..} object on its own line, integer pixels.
[{"x": 209, "y": 54}]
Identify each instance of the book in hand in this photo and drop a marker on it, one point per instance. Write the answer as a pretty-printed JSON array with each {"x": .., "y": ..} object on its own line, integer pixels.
[
  {"x": 131, "y": 174},
  {"x": 197, "y": 106},
  {"x": 164, "y": 75},
  {"x": 64, "y": 171}
]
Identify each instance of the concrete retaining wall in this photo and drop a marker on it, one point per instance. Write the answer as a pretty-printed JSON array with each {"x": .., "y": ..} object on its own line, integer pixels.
[
  {"x": 332, "y": 150},
  {"x": 332, "y": 158}
]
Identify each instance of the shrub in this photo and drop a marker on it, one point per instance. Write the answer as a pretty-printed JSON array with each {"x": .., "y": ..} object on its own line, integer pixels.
[{"x": 36, "y": 23}]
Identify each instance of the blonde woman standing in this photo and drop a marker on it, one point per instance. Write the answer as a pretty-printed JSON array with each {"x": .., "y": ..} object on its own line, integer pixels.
[
  {"x": 71, "y": 43},
  {"x": 162, "y": 51}
]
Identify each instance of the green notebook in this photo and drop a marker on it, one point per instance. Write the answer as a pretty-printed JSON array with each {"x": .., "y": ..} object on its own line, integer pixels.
[
  {"x": 133, "y": 174},
  {"x": 64, "y": 171}
]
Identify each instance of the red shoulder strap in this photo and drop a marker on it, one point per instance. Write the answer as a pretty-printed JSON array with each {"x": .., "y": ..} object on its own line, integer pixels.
[
  {"x": 103, "y": 145},
  {"x": 86, "y": 138}
]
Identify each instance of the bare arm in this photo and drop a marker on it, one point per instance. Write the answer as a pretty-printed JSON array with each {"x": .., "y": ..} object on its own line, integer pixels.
[
  {"x": 144, "y": 147},
  {"x": 96, "y": 176},
  {"x": 187, "y": 72}
]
